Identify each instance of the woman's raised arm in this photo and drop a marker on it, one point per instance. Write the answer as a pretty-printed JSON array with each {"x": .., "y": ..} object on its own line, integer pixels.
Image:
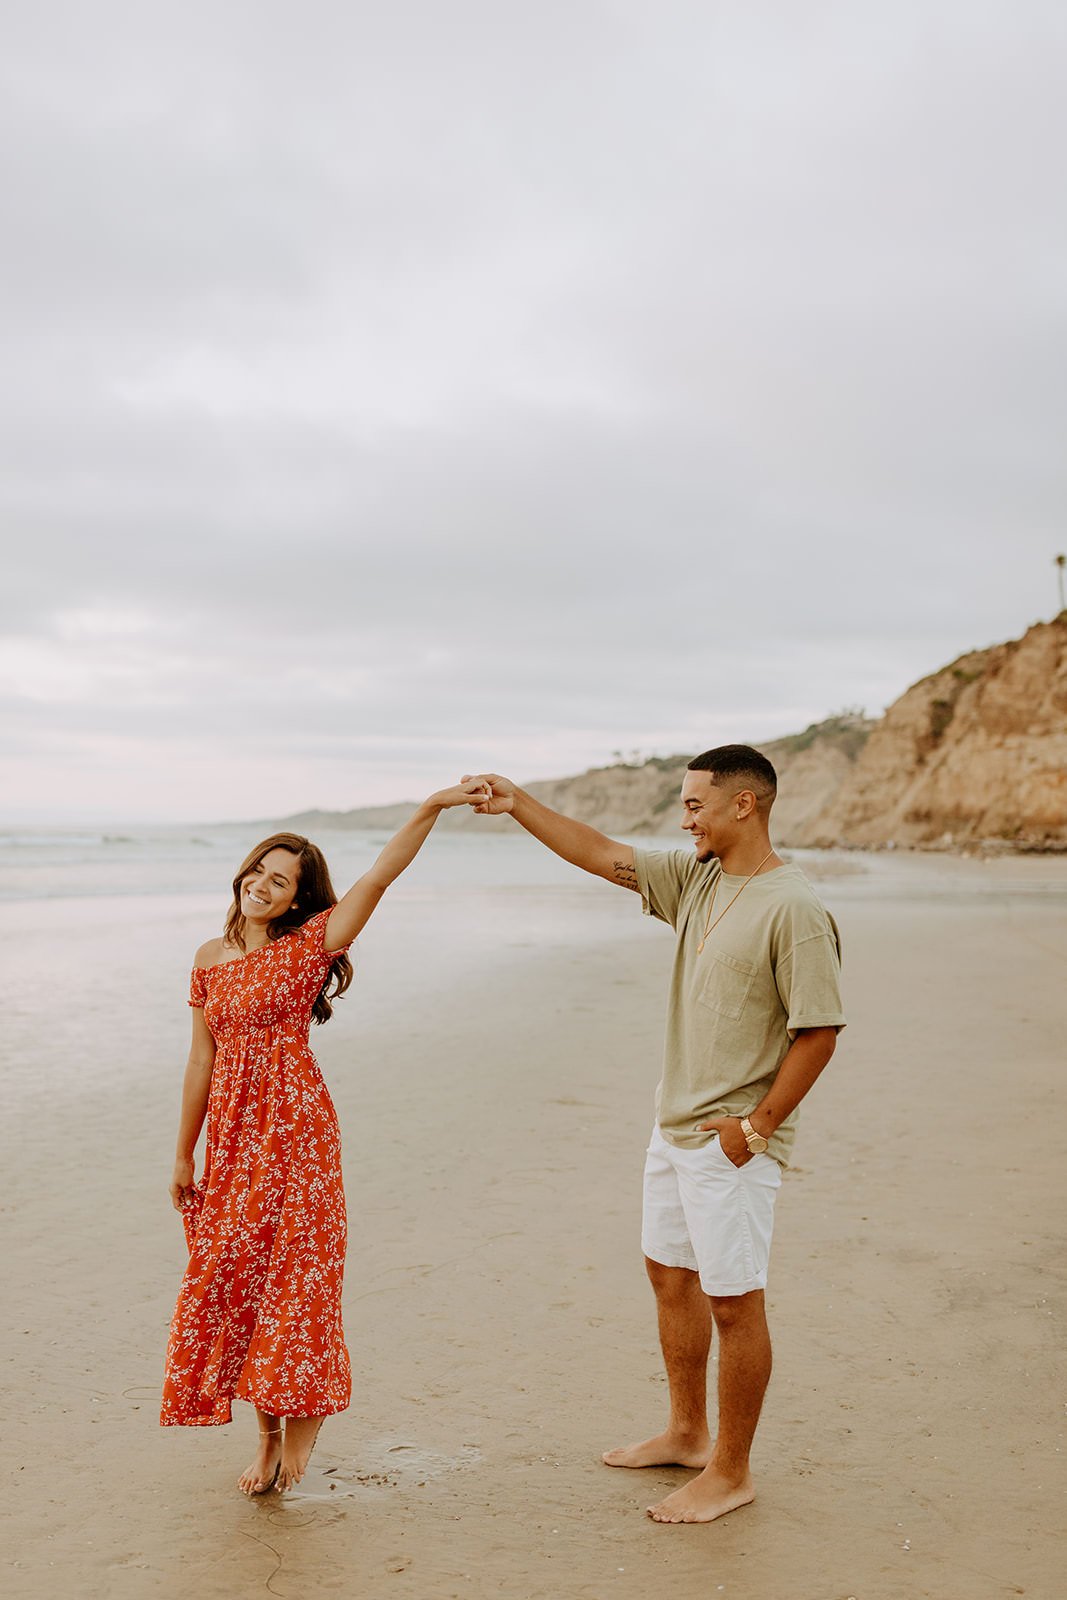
[{"x": 352, "y": 912}]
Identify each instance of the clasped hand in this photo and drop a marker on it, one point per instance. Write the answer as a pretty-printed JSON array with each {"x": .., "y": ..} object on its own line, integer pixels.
[
  {"x": 498, "y": 793},
  {"x": 471, "y": 792}
]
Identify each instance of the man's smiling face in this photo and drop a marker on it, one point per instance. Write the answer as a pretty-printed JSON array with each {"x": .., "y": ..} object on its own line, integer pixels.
[{"x": 708, "y": 814}]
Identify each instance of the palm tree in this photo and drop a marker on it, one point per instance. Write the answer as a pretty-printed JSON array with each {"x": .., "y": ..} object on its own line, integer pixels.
[{"x": 1061, "y": 562}]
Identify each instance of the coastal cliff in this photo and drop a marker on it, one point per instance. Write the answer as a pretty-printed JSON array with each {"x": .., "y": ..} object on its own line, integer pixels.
[{"x": 974, "y": 753}]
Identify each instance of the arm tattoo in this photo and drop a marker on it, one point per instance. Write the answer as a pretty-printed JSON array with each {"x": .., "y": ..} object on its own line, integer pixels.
[{"x": 625, "y": 874}]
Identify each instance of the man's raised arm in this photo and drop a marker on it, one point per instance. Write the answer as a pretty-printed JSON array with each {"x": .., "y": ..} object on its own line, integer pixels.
[{"x": 574, "y": 841}]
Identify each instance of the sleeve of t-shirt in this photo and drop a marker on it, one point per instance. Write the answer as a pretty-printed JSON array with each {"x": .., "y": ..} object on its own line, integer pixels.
[
  {"x": 661, "y": 877},
  {"x": 808, "y": 976}
]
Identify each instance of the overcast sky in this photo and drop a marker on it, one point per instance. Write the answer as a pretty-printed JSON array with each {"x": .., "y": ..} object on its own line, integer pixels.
[{"x": 395, "y": 389}]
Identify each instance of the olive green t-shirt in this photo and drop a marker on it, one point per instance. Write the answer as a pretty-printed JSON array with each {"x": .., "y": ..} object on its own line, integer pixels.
[{"x": 771, "y": 967}]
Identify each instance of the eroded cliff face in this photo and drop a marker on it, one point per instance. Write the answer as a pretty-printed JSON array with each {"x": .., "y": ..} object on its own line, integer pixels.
[{"x": 977, "y": 751}]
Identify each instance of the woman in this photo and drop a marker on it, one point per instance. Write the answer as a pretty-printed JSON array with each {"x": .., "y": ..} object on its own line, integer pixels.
[{"x": 259, "y": 1310}]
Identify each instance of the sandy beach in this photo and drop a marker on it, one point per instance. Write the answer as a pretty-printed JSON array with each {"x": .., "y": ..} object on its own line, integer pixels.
[{"x": 493, "y": 1072}]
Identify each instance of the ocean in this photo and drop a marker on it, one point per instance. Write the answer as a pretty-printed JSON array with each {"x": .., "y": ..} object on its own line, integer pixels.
[
  {"x": 200, "y": 860},
  {"x": 48, "y": 864},
  {"x": 99, "y": 928}
]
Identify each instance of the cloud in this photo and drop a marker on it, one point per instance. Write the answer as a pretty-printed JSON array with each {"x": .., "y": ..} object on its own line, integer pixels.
[{"x": 416, "y": 381}]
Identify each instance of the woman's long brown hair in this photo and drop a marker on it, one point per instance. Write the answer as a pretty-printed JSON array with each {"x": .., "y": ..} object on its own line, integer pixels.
[{"x": 314, "y": 893}]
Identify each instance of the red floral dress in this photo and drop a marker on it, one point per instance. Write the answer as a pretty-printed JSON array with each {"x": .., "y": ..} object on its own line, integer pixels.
[{"x": 259, "y": 1309}]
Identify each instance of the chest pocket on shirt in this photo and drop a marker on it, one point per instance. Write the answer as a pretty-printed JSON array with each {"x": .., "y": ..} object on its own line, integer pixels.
[{"x": 726, "y": 984}]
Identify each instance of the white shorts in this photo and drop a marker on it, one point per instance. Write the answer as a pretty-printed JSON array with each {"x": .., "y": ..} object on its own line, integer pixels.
[{"x": 702, "y": 1212}]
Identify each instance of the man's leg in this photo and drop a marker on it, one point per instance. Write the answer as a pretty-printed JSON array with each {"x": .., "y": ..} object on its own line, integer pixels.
[
  {"x": 744, "y": 1372},
  {"x": 684, "y": 1313}
]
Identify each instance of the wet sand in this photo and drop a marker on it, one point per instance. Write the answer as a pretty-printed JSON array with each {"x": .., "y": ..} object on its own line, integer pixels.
[{"x": 493, "y": 1073}]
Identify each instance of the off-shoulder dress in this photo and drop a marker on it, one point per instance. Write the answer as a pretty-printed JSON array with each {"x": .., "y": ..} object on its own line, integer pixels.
[{"x": 259, "y": 1309}]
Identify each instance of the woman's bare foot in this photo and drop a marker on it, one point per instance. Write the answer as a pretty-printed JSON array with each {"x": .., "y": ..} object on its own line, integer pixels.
[
  {"x": 299, "y": 1441},
  {"x": 259, "y": 1477},
  {"x": 705, "y": 1498},
  {"x": 665, "y": 1450}
]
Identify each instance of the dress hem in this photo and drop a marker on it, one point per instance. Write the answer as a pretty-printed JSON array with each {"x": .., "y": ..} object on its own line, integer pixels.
[{"x": 212, "y": 1420}]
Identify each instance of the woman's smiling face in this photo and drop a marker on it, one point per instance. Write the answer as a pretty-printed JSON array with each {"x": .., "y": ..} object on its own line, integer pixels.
[{"x": 269, "y": 890}]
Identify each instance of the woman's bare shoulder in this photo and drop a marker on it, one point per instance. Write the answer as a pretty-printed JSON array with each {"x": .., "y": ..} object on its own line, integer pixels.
[{"x": 210, "y": 954}]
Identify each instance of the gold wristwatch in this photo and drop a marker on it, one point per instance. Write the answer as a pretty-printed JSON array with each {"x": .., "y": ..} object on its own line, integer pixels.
[{"x": 755, "y": 1141}]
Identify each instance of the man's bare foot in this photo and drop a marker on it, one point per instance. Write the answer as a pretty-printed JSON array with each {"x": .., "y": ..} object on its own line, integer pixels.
[
  {"x": 665, "y": 1450},
  {"x": 300, "y": 1436},
  {"x": 259, "y": 1477},
  {"x": 705, "y": 1498}
]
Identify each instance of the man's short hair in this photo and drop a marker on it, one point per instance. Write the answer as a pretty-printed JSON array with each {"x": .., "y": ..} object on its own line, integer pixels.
[{"x": 741, "y": 765}]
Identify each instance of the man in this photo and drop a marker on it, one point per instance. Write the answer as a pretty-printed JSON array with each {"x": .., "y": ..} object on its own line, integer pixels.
[{"x": 752, "y": 1019}]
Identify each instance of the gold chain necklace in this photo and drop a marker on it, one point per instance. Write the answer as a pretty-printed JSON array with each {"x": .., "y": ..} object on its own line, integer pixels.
[{"x": 709, "y": 924}]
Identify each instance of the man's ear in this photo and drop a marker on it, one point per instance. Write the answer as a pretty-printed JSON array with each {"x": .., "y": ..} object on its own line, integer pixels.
[{"x": 746, "y": 803}]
